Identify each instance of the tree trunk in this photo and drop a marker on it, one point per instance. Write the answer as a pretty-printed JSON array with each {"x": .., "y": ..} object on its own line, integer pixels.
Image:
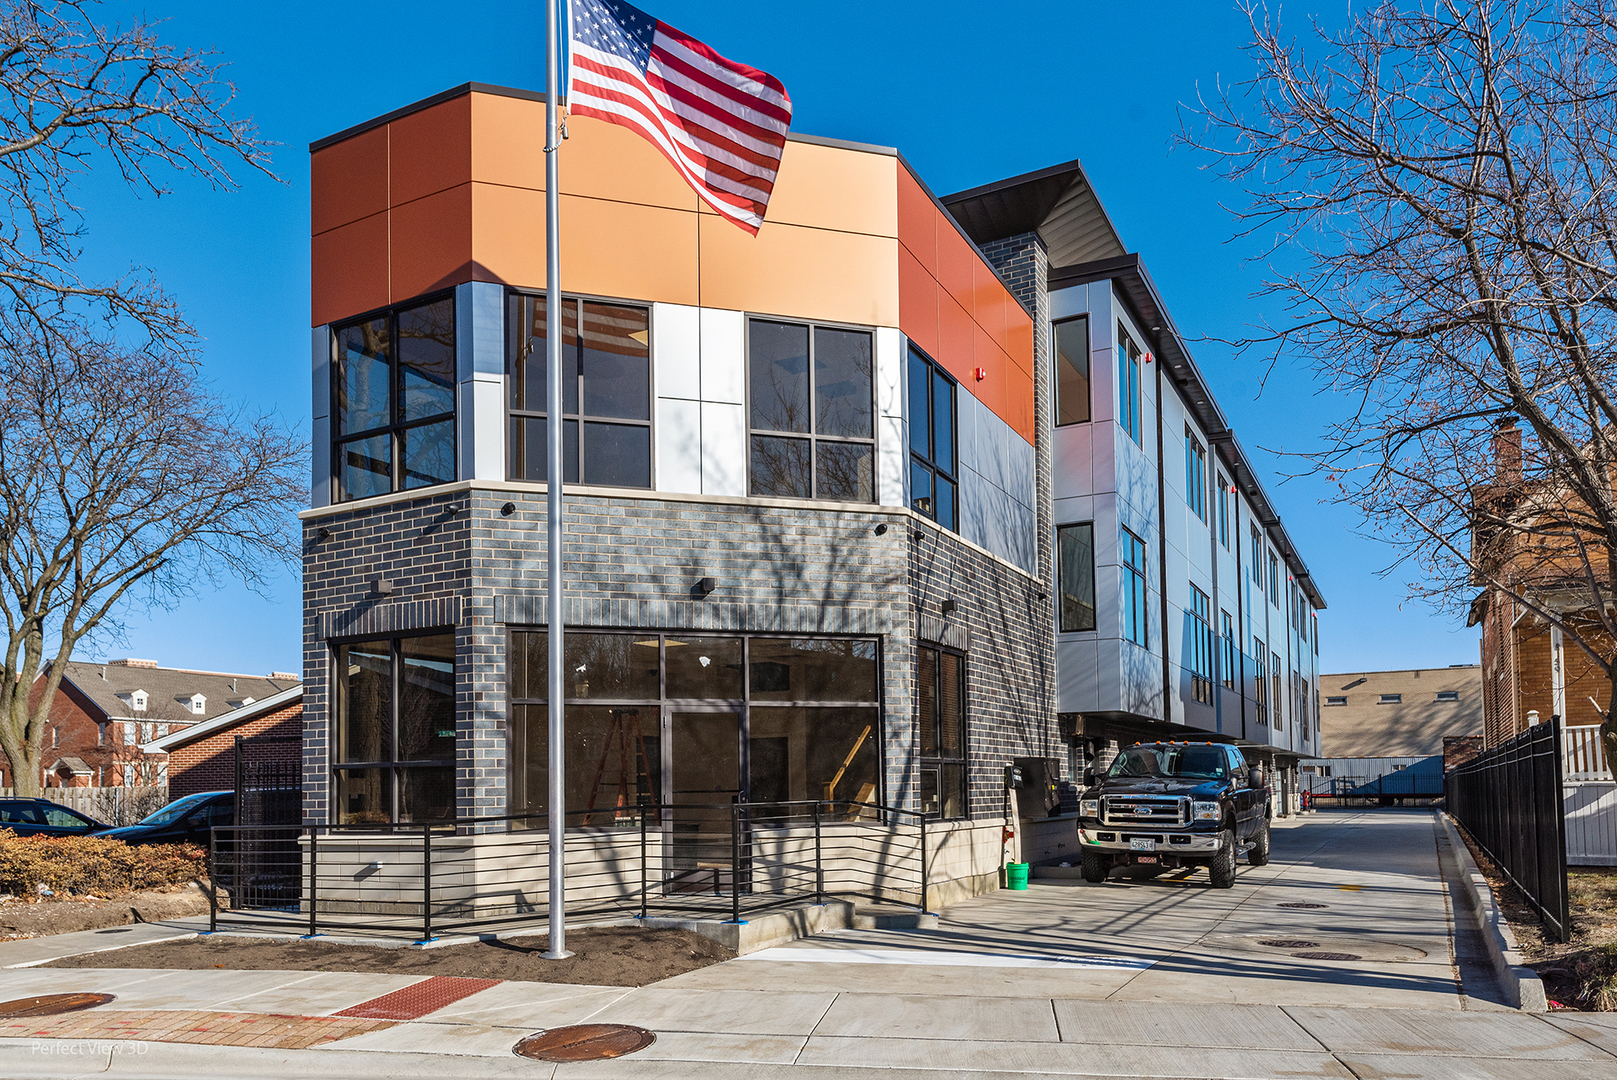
[{"x": 1608, "y": 726}]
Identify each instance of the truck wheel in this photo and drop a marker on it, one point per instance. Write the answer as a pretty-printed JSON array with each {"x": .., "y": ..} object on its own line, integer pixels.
[
  {"x": 1221, "y": 868},
  {"x": 1094, "y": 865},
  {"x": 1259, "y": 855}
]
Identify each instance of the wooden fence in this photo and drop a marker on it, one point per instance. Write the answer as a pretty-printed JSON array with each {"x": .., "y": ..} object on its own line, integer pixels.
[{"x": 112, "y": 805}]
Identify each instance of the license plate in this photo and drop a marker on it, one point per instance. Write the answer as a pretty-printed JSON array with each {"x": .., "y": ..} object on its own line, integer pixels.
[
  {"x": 1142, "y": 845},
  {"x": 1145, "y": 858}
]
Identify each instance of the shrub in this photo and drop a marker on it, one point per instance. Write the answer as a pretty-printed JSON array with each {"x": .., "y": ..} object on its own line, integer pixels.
[{"x": 90, "y": 864}]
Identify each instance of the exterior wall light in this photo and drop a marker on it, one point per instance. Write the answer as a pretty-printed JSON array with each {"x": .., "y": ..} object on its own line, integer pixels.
[
  {"x": 381, "y": 587},
  {"x": 508, "y": 509},
  {"x": 880, "y": 530},
  {"x": 948, "y": 606},
  {"x": 706, "y": 586}
]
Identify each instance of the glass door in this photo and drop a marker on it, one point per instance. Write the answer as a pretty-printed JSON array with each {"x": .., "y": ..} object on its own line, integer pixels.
[{"x": 704, "y": 747}]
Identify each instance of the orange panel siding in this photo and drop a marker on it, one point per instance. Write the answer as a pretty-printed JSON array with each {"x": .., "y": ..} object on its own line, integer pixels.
[
  {"x": 430, "y": 151},
  {"x": 917, "y": 221},
  {"x": 348, "y": 181},
  {"x": 1019, "y": 335},
  {"x": 432, "y": 243},
  {"x": 1019, "y": 399},
  {"x": 956, "y": 264},
  {"x": 508, "y": 141},
  {"x": 955, "y": 330},
  {"x": 508, "y": 235},
  {"x": 988, "y": 302},
  {"x": 348, "y": 270},
  {"x": 627, "y": 250},
  {"x": 828, "y": 188},
  {"x": 991, "y": 391},
  {"x": 605, "y": 161},
  {"x": 800, "y": 273},
  {"x": 917, "y": 301}
]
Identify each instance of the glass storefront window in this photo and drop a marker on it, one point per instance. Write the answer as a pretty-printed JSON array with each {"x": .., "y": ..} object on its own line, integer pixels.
[
  {"x": 703, "y": 668},
  {"x": 395, "y": 723}
]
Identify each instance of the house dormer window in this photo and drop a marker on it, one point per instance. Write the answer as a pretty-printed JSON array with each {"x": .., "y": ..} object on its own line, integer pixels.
[
  {"x": 136, "y": 699},
  {"x": 196, "y": 703}
]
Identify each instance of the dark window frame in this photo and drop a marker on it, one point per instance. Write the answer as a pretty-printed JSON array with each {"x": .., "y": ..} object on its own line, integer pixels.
[
  {"x": 1195, "y": 475},
  {"x": 928, "y": 462},
  {"x": 1200, "y": 614},
  {"x": 394, "y": 765},
  {"x": 1224, "y": 497},
  {"x": 1061, "y": 573},
  {"x": 938, "y": 761},
  {"x": 1130, "y": 396},
  {"x": 580, "y": 418},
  {"x": 1227, "y": 676},
  {"x": 1260, "y": 683},
  {"x": 1136, "y": 588},
  {"x": 812, "y": 436},
  {"x": 395, "y": 428},
  {"x": 1089, "y": 371}
]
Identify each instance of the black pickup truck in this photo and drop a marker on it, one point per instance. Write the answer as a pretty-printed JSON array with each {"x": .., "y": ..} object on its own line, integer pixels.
[{"x": 1175, "y": 804}]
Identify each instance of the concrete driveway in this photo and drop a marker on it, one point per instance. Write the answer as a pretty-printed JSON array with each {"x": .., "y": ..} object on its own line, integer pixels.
[{"x": 1376, "y": 931}]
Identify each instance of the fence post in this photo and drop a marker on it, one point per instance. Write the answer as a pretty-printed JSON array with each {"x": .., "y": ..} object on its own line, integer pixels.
[
  {"x": 643, "y": 857},
  {"x": 236, "y": 804},
  {"x": 314, "y": 904},
  {"x": 735, "y": 859},
  {"x": 213, "y": 879},
  {"x": 819, "y": 862},
  {"x": 923, "y": 864},
  {"x": 426, "y": 883}
]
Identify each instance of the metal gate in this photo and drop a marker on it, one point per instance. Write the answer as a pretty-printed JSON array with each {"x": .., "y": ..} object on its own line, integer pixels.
[{"x": 262, "y": 864}]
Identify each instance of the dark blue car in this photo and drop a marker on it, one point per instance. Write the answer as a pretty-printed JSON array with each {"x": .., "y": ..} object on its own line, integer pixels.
[
  {"x": 41, "y": 817},
  {"x": 183, "y": 821}
]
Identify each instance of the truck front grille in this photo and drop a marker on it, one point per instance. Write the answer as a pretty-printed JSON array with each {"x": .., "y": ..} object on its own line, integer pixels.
[{"x": 1145, "y": 810}]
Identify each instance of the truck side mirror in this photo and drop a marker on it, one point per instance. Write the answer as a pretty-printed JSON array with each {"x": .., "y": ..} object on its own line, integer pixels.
[
  {"x": 1089, "y": 778},
  {"x": 1254, "y": 776}
]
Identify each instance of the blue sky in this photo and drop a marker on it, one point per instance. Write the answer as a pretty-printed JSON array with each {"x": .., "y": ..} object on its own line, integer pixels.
[{"x": 968, "y": 97}]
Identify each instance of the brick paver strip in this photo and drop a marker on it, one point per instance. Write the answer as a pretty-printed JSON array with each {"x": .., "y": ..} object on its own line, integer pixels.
[
  {"x": 217, "y": 1029},
  {"x": 419, "y": 999}
]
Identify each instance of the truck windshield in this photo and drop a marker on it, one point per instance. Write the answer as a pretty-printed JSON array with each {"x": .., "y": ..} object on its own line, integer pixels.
[{"x": 1187, "y": 762}]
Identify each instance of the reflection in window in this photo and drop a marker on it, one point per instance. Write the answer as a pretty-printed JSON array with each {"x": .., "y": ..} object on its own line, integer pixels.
[
  {"x": 1128, "y": 385},
  {"x": 932, "y": 441},
  {"x": 393, "y": 379},
  {"x": 1135, "y": 617},
  {"x": 1072, "y": 371},
  {"x": 1075, "y": 572},
  {"x": 395, "y": 724},
  {"x": 811, "y": 412},
  {"x": 940, "y": 695},
  {"x": 606, "y": 392}
]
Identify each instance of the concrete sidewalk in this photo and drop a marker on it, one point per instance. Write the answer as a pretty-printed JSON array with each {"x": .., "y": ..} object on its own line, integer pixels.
[{"x": 1162, "y": 978}]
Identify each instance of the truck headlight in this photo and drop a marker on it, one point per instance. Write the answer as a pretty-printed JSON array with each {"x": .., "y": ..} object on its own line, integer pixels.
[
  {"x": 1204, "y": 811},
  {"x": 1089, "y": 807}
]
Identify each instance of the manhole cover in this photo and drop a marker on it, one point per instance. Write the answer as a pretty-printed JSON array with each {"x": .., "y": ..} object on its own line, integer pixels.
[
  {"x": 585, "y": 1042},
  {"x": 1286, "y": 943},
  {"x": 1301, "y": 904},
  {"x": 51, "y": 1004},
  {"x": 1327, "y": 956}
]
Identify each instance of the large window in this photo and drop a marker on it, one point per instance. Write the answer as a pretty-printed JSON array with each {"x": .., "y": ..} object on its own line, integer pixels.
[
  {"x": 1128, "y": 384},
  {"x": 1274, "y": 685},
  {"x": 1200, "y": 617},
  {"x": 812, "y": 412},
  {"x": 1072, "y": 371},
  {"x": 1274, "y": 580},
  {"x": 1135, "y": 619},
  {"x": 1224, "y": 511},
  {"x": 1228, "y": 674},
  {"x": 933, "y": 482},
  {"x": 1260, "y": 681},
  {"x": 1257, "y": 557},
  {"x": 768, "y": 719},
  {"x": 1075, "y": 575},
  {"x": 393, "y": 385},
  {"x": 940, "y": 695},
  {"x": 395, "y": 743},
  {"x": 606, "y": 392},
  {"x": 1195, "y": 475}
]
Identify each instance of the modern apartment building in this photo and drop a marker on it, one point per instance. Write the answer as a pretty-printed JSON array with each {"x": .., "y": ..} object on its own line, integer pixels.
[{"x": 817, "y": 481}]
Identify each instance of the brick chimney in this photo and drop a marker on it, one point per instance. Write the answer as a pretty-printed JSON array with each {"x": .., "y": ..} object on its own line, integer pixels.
[
  {"x": 1507, "y": 452},
  {"x": 131, "y": 662}
]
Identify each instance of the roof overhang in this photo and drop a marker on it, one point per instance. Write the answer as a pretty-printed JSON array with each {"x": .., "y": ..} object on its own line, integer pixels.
[
  {"x": 1058, "y": 203},
  {"x": 188, "y": 735}
]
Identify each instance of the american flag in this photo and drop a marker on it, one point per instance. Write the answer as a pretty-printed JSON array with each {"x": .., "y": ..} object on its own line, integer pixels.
[{"x": 722, "y": 124}]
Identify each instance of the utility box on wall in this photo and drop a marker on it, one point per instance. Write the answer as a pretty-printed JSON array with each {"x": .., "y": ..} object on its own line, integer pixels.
[{"x": 1038, "y": 796}]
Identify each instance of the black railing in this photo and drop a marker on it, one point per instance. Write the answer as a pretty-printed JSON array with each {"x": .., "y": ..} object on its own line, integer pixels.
[
  {"x": 722, "y": 861},
  {"x": 1509, "y": 799}
]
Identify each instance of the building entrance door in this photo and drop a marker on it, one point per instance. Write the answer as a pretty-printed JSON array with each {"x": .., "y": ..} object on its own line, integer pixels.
[{"x": 705, "y": 779}]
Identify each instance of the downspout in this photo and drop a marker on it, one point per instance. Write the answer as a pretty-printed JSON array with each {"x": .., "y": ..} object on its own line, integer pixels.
[{"x": 1162, "y": 554}]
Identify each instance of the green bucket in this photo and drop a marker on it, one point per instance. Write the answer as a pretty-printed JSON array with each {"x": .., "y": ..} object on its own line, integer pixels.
[{"x": 1016, "y": 875}]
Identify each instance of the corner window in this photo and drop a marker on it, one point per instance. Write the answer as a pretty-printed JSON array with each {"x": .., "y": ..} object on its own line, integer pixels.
[
  {"x": 933, "y": 483},
  {"x": 1200, "y": 626},
  {"x": 1228, "y": 673},
  {"x": 1195, "y": 475},
  {"x": 812, "y": 412},
  {"x": 1224, "y": 511},
  {"x": 940, "y": 694},
  {"x": 395, "y": 730},
  {"x": 1128, "y": 384},
  {"x": 1135, "y": 618},
  {"x": 394, "y": 401},
  {"x": 1072, "y": 371},
  {"x": 1075, "y": 576}
]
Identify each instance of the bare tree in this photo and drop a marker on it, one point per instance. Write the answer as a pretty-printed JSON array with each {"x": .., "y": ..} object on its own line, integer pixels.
[
  {"x": 1445, "y": 177},
  {"x": 77, "y": 93},
  {"x": 122, "y": 479}
]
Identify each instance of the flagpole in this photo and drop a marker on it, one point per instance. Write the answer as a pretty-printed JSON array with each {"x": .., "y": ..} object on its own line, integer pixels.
[{"x": 554, "y": 427}]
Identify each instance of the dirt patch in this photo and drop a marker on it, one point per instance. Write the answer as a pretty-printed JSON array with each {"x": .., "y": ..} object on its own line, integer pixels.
[
  {"x": 1578, "y": 974},
  {"x": 21, "y": 918},
  {"x": 604, "y": 956}
]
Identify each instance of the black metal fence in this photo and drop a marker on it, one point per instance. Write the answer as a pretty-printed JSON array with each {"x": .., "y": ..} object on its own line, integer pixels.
[
  {"x": 720, "y": 861},
  {"x": 1509, "y": 800}
]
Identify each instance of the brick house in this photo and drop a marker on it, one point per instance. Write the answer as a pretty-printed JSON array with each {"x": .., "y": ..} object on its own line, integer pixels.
[
  {"x": 105, "y": 712},
  {"x": 201, "y": 757}
]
